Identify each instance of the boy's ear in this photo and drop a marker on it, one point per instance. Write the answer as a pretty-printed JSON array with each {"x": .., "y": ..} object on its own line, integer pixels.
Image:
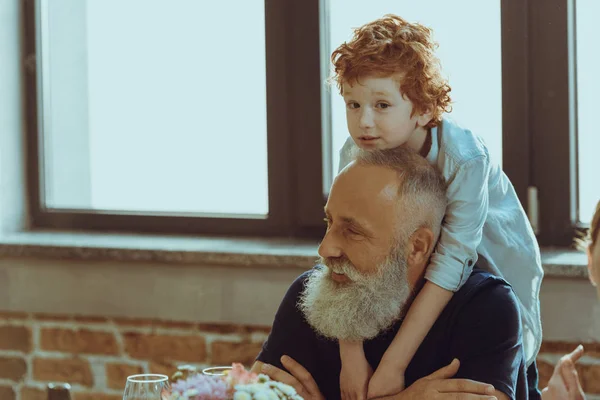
[{"x": 425, "y": 118}]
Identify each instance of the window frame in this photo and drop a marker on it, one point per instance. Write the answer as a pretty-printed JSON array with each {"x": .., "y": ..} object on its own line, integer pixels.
[
  {"x": 553, "y": 119},
  {"x": 293, "y": 133},
  {"x": 539, "y": 107}
]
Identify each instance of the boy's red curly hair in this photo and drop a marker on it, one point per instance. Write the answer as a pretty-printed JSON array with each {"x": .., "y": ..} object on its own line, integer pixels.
[{"x": 390, "y": 46}]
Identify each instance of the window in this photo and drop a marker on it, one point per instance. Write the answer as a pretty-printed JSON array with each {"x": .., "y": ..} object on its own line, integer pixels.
[
  {"x": 172, "y": 116},
  {"x": 176, "y": 116},
  {"x": 139, "y": 120},
  {"x": 588, "y": 85}
]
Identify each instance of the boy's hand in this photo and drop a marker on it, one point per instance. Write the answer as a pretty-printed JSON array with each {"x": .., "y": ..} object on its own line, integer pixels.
[
  {"x": 386, "y": 381},
  {"x": 354, "y": 377}
]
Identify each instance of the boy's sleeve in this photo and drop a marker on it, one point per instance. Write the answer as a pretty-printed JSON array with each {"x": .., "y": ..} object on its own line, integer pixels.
[
  {"x": 456, "y": 252},
  {"x": 488, "y": 340},
  {"x": 290, "y": 334}
]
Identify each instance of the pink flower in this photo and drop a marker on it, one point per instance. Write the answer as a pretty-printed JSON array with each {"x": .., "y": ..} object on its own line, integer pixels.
[{"x": 239, "y": 376}]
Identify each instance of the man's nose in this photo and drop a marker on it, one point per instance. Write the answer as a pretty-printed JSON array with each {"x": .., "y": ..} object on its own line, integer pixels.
[
  {"x": 366, "y": 118},
  {"x": 330, "y": 246}
]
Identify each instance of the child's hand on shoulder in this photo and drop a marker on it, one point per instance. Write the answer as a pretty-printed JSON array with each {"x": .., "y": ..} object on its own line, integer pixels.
[
  {"x": 354, "y": 378},
  {"x": 385, "y": 382}
]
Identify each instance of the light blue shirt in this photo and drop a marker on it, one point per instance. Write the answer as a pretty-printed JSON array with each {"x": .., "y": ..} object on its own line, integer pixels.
[{"x": 484, "y": 224}]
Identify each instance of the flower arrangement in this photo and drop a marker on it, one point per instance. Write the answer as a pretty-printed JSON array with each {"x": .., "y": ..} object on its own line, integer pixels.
[{"x": 236, "y": 384}]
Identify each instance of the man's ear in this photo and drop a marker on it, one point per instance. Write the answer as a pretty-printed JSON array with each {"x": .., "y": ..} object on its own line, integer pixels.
[
  {"x": 590, "y": 267},
  {"x": 420, "y": 246}
]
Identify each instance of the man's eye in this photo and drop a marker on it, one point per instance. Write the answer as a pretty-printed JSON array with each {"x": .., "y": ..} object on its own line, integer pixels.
[
  {"x": 327, "y": 222},
  {"x": 354, "y": 233}
]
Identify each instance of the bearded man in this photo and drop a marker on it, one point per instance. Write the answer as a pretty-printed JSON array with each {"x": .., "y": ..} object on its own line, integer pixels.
[{"x": 384, "y": 214}]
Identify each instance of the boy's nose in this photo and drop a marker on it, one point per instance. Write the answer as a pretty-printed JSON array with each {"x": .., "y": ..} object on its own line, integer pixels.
[{"x": 366, "y": 118}]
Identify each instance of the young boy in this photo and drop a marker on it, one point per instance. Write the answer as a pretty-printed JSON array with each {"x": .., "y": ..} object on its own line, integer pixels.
[{"x": 395, "y": 96}]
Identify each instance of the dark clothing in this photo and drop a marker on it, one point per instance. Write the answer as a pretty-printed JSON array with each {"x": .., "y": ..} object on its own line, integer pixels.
[{"x": 480, "y": 326}]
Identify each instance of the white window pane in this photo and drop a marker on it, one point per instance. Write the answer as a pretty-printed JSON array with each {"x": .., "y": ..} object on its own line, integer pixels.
[
  {"x": 588, "y": 87},
  {"x": 155, "y": 106},
  {"x": 476, "y": 82}
]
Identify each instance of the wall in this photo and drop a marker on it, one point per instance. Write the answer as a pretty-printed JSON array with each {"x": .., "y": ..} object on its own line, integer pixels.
[{"x": 96, "y": 354}]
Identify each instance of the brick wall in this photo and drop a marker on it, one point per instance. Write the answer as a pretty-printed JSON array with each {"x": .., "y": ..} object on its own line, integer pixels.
[{"x": 96, "y": 355}]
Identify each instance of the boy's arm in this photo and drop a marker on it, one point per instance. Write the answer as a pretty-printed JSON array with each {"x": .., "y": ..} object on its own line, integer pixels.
[
  {"x": 424, "y": 311},
  {"x": 456, "y": 252},
  {"x": 450, "y": 265}
]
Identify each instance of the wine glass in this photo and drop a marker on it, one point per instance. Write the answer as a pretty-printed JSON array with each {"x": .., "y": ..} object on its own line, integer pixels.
[
  {"x": 147, "y": 387},
  {"x": 216, "y": 371}
]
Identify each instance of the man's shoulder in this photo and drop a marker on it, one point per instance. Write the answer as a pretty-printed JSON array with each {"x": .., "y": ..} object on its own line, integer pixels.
[
  {"x": 484, "y": 292},
  {"x": 294, "y": 292}
]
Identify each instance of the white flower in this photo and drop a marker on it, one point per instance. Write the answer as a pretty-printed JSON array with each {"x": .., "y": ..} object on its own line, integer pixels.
[
  {"x": 191, "y": 393},
  {"x": 263, "y": 395},
  {"x": 242, "y": 396}
]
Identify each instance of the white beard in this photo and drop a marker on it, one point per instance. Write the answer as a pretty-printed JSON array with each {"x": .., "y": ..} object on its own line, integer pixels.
[{"x": 360, "y": 309}]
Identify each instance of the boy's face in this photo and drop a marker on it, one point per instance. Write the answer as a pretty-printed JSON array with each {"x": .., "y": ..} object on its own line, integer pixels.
[{"x": 379, "y": 117}]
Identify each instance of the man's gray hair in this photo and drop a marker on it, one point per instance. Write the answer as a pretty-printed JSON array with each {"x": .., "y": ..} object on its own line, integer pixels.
[{"x": 421, "y": 187}]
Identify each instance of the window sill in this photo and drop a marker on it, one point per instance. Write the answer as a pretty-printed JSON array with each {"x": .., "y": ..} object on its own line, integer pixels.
[{"x": 275, "y": 253}]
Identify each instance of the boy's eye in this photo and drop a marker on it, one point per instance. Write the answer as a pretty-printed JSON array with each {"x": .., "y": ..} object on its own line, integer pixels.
[
  {"x": 383, "y": 105},
  {"x": 352, "y": 105}
]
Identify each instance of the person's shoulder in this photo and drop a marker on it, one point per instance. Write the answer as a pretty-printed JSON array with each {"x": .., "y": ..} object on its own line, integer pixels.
[
  {"x": 297, "y": 286},
  {"x": 294, "y": 292},
  {"x": 459, "y": 143},
  {"x": 481, "y": 281},
  {"x": 486, "y": 295}
]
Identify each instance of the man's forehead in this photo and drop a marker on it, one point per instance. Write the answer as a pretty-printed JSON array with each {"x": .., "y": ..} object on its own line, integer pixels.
[{"x": 365, "y": 194}]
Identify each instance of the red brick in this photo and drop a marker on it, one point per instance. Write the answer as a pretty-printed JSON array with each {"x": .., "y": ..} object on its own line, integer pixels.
[
  {"x": 590, "y": 377},
  {"x": 81, "y": 341},
  {"x": 31, "y": 393},
  {"x": 96, "y": 396},
  {"x": 70, "y": 370},
  {"x": 7, "y": 393},
  {"x": 116, "y": 374},
  {"x": 154, "y": 323},
  {"x": 12, "y": 368},
  {"x": 233, "y": 328},
  {"x": 225, "y": 353},
  {"x": 162, "y": 368},
  {"x": 165, "y": 347},
  {"x": 90, "y": 319},
  {"x": 545, "y": 370},
  {"x": 592, "y": 349},
  {"x": 13, "y": 315},
  {"x": 52, "y": 317},
  {"x": 15, "y": 338}
]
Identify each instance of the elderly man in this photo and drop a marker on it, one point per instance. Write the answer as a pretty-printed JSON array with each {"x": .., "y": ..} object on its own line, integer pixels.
[{"x": 383, "y": 220}]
